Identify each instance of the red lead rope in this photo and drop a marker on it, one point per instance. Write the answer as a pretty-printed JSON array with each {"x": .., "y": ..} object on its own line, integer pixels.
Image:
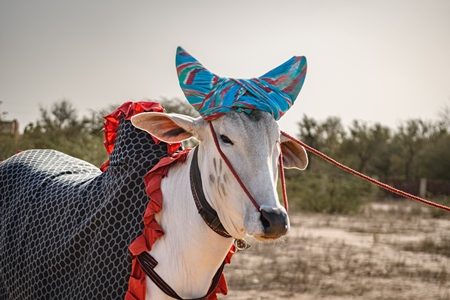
[
  {"x": 365, "y": 177},
  {"x": 283, "y": 181}
]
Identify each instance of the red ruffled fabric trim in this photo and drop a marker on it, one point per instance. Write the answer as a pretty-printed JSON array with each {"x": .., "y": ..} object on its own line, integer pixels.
[
  {"x": 152, "y": 230},
  {"x": 127, "y": 110}
]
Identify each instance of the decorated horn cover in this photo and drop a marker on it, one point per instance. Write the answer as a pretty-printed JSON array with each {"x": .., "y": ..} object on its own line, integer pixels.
[{"x": 213, "y": 96}]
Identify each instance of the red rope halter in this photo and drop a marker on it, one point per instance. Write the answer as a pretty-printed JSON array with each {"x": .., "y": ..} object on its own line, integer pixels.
[
  {"x": 283, "y": 185},
  {"x": 232, "y": 169}
]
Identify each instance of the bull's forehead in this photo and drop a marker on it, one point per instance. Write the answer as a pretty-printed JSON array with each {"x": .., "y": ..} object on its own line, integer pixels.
[{"x": 258, "y": 127}]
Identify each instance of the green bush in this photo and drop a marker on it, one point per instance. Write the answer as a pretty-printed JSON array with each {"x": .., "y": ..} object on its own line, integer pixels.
[{"x": 333, "y": 194}]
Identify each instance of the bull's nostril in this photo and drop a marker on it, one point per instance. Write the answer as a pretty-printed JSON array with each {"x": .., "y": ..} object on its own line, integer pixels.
[{"x": 264, "y": 221}]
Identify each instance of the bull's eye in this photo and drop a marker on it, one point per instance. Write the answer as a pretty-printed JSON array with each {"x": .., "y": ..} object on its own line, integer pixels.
[{"x": 225, "y": 139}]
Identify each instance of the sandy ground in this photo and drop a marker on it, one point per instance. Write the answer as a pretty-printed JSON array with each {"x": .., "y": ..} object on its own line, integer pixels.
[{"x": 391, "y": 251}]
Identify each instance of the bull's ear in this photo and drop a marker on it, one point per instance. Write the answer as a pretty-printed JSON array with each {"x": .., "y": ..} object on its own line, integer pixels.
[
  {"x": 294, "y": 155},
  {"x": 170, "y": 128}
]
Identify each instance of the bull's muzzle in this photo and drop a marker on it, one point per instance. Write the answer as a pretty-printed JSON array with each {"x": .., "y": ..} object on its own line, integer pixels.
[{"x": 275, "y": 222}]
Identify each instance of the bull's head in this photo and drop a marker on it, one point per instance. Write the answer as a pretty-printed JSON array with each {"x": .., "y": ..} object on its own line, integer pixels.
[{"x": 247, "y": 134}]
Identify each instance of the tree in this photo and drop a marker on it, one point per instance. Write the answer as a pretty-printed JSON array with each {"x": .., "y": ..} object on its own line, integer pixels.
[
  {"x": 408, "y": 143},
  {"x": 94, "y": 123},
  {"x": 435, "y": 157},
  {"x": 444, "y": 119},
  {"x": 324, "y": 136},
  {"x": 61, "y": 116},
  {"x": 59, "y": 128},
  {"x": 368, "y": 147}
]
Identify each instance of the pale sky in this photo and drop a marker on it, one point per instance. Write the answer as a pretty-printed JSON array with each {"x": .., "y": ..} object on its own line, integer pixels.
[{"x": 380, "y": 61}]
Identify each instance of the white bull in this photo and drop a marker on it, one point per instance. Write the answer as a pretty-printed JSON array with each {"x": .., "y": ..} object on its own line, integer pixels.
[
  {"x": 190, "y": 252},
  {"x": 66, "y": 227}
]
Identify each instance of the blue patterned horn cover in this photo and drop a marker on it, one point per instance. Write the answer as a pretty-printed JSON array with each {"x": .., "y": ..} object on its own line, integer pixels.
[{"x": 213, "y": 96}]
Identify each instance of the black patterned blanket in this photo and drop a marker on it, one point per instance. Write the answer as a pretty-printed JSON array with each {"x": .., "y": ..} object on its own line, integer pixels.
[{"x": 65, "y": 226}]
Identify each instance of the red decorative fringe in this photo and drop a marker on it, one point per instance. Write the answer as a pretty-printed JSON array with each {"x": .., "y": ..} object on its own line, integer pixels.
[
  {"x": 127, "y": 110},
  {"x": 152, "y": 230}
]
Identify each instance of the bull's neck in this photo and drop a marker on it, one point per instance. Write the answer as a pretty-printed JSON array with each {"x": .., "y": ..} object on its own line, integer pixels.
[{"x": 189, "y": 253}]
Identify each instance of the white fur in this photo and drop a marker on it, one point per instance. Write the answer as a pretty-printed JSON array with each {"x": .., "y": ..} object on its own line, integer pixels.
[{"x": 190, "y": 253}]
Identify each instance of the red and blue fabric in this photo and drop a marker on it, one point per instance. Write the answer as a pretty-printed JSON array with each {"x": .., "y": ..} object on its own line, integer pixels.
[{"x": 213, "y": 96}]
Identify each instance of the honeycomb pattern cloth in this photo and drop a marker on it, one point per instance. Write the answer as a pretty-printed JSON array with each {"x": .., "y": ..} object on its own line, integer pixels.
[{"x": 65, "y": 226}]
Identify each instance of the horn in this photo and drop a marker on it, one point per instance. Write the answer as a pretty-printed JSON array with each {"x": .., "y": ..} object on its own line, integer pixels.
[
  {"x": 213, "y": 96},
  {"x": 195, "y": 80},
  {"x": 288, "y": 77}
]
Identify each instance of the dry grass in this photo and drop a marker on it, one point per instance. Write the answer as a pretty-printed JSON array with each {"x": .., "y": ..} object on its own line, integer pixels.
[{"x": 390, "y": 251}]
